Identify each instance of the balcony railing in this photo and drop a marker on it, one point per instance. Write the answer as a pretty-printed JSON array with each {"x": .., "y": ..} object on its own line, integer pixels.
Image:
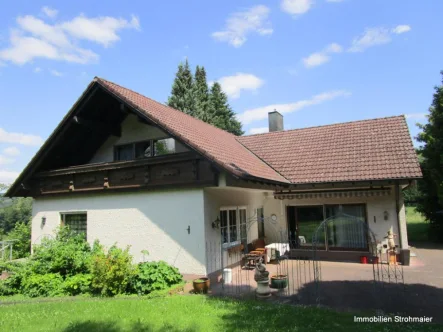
[{"x": 175, "y": 170}]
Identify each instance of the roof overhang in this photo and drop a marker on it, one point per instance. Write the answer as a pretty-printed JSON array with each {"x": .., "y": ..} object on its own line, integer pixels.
[{"x": 19, "y": 186}]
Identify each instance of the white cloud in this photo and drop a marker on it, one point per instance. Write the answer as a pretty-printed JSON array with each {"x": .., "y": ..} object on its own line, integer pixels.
[
  {"x": 56, "y": 73},
  {"x": 399, "y": 29},
  {"x": 6, "y": 160},
  {"x": 50, "y": 12},
  {"x": 102, "y": 30},
  {"x": 334, "y": 48},
  {"x": 235, "y": 84},
  {"x": 376, "y": 36},
  {"x": 19, "y": 138},
  {"x": 37, "y": 70},
  {"x": 319, "y": 58},
  {"x": 34, "y": 38},
  {"x": 240, "y": 24},
  {"x": 296, "y": 7},
  {"x": 259, "y": 130},
  {"x": 11, "y": 151},
  {"x": 315, "y": 59},
  {"x": 262, "y": 112},
  {"x": 8, "y": 177},
  {"x": 416, "y": 115}
]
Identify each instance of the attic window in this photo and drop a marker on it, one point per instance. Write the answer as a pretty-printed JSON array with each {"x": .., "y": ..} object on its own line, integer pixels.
[{"x": 144, "y": 149}]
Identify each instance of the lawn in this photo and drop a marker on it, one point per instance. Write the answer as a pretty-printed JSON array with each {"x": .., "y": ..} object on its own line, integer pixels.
[
  {"x": 181, "y": 313},
  {"x": 418, "y": 227}
]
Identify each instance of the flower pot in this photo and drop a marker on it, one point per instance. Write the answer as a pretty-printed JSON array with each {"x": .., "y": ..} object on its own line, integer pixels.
[
  {"x": 364, "y": 259},
  {"x": 201, "y": 285},
  {"x": 279, "y": 281}
]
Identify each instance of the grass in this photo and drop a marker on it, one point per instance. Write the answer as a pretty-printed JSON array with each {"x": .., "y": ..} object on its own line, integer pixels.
[
  {"x": 181, "y": 313},
  {"x": 418, "y": 227}
]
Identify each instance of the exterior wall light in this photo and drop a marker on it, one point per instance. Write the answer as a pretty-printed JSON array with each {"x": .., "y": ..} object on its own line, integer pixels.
[
  {"x": 43, "y": 221},
  {"x": 386, "y": 215},
  {"x": 216, "y": 223}
]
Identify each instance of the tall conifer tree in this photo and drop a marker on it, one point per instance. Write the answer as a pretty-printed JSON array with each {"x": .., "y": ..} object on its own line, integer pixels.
[
  {"x": 201, "y": 94},
  {"x": 430, "y": 201},
  {"x": 220, "y": 113},
  {"x": 182, "y": 93}
]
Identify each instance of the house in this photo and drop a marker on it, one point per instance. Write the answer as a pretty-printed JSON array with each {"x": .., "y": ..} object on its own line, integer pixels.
[{"x": 125, "y": 169}]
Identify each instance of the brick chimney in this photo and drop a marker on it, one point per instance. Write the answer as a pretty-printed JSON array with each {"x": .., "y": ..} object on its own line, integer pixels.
[{"x": 275, "y": 121}]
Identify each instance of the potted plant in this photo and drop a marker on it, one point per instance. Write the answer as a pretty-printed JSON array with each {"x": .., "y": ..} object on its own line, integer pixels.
[
  {"x": 279, "y": 281},
  {"x": 201, "y": 285}
]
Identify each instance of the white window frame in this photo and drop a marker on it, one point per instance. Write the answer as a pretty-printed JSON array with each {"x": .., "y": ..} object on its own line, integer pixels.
[{"x": 236, "y": 222}]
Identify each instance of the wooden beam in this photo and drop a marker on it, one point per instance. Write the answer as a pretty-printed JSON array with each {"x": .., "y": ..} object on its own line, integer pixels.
[{"x": 106, "y": 128}]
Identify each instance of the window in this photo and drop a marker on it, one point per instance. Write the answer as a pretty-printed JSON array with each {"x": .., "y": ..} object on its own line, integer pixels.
[
  {"x": 163, "y": 146},
  {"x": 124, "y": 152},
  {"x": 145, "y": 149},
  {"x": 346, "y": 234},
  {"x": 231, "y": 221},
  {"x": 77, "y": 222},
  {"x": 261, "y": 223}
]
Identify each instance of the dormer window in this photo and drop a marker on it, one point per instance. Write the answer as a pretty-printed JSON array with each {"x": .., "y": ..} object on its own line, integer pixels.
[{"x": 144, "y": 149}]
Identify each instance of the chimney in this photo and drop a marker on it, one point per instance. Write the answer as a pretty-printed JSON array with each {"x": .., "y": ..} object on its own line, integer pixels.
[{"x": 275, "y": 121}]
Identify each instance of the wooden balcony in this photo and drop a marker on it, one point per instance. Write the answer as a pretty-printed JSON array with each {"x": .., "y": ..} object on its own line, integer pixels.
[{"x": 169, "y": 171}]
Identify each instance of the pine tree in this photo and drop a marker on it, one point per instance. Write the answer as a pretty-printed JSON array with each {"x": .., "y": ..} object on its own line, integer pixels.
[
  {"x": 430, "y": 202},
  {"x": 192, "y": 96},
  {"x": 201, "y": 94},
  {"x": 182, "y": 94},
  {"x": 220, "y": 113}
]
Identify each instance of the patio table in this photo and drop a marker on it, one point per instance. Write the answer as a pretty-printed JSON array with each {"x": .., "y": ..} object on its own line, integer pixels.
[{"x": 273, "y": 247}]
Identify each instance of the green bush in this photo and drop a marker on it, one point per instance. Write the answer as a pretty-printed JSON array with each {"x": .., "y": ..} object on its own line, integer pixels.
[
  {"x": 68, "y": 254},
  {"x": 78, "y": 284},
  {"x": 68, "y": 265},
  {"x": 43, "y": 285},
  {"x": 21, "y": 233},
  {"x": 152, "y": 276},
  {"x": 18, "y": 272},
  {"x": 111, "y": 271}
]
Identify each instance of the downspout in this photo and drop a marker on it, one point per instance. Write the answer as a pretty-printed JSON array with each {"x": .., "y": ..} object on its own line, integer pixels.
[{"x": 397, "y": 210}]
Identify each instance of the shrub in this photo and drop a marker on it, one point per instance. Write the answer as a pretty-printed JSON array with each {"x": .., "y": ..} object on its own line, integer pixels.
[
  {"x": 67, "y": 254},
  {"x": 18, "y": 273},
  {"x": 152, "y": 276},
  {"x": 21, "y": 233},
  {"x": 43, "y": 285},
  {"x": 111, "y": 271},
  {"x": 78, "y": 284}
]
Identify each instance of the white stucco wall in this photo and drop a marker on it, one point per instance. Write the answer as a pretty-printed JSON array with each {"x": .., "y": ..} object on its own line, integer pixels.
[
  {"x": 216, "y": 198},
  {"x": 132, "y": 131},
  {"x": 153, "y": 221}
]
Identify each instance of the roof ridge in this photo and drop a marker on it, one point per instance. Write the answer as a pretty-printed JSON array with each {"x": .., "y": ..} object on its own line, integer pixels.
[
  {"x": 96, "y": 78},
  {"x": 114, "y": 89},
  {"x": 326, "y": 125}
]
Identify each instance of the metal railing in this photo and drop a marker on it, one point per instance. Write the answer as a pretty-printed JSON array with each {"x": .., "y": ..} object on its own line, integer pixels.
[{"x": 6, "y": 248}]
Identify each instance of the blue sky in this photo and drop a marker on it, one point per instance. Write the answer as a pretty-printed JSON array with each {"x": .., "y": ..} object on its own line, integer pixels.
[{"x": 318, "y": 62}]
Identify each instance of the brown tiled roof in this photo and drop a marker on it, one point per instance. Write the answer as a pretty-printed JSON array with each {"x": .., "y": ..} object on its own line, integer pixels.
[
  {"x": 377, "y": 149},
  {"x": 216, "y": 144}
]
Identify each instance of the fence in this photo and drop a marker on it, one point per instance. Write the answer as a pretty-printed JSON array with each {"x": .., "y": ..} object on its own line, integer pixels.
[{"x": 6, "y": 249}]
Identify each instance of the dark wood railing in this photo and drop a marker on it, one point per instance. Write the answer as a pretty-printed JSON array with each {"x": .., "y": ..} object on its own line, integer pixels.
[{"x": 175, "y": 170}]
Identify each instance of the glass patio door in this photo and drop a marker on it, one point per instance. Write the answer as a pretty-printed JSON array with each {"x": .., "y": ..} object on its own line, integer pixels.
[{"x": 347, "y": 231}]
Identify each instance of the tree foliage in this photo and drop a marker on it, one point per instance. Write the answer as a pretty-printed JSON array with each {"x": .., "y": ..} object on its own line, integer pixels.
[
  {"x": 13, "y": 211},
  {"x": 221, "y": 114},
  {"x": 430, "y": 202},
  {"x": 182, "y": 93},
  {"x": 201, "y": 94},
  {"x": 192, "y": 96}
]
